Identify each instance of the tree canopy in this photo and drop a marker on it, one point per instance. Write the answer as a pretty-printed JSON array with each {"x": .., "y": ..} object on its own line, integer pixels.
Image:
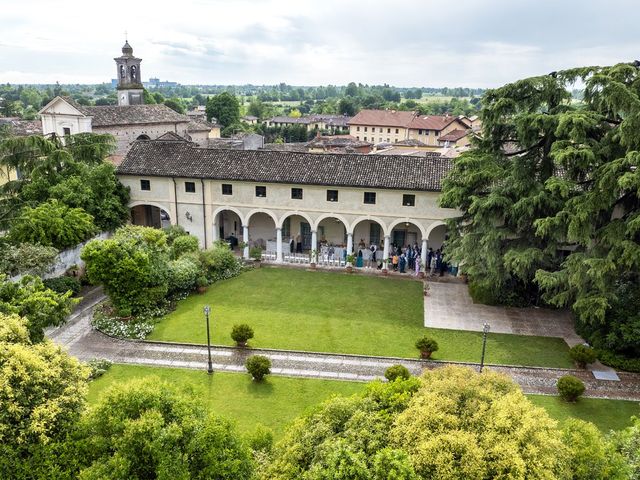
[
  {"x": 450, "y": 423},
  {"x": 225, "y": 108},
  {"x": 550, "y": 199}
]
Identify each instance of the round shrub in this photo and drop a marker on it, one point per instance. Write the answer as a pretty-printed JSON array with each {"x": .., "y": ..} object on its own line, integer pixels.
[
  {"x": 184, "y": 244},
  {"x": 427, "y": 346},
  {"x": 258, "y": 366},
  {"x": 183, "y": 274},
  {"x": 582, "y": 354},
  {"x": 255, "y": 253},
  {"x": 241, "y": 333},
  {"x": 570, "y": 388},
  {"x": 396, "y": 371},
  {"x": 62, "y": 285}
]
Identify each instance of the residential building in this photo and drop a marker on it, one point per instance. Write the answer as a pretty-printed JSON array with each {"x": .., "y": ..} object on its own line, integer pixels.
[
  {"x": 321, "y": 122},
  {"x": 429, "y": 128},
  {"x": 267, "y": 198},
  {"x": 378, "y": 126}
]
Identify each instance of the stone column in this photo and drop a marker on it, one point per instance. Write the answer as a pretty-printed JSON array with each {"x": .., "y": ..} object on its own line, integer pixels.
[
  {"x": 314, "y": 246},
  {"x": 214, "y": 235},
  {"x": 349, "y": 243},
  {"x": 385, "y": 251},
  {"x": 279, "y": 245},
  {"x": 423, "y": 255},
  {"x": 245, "y": 239}
]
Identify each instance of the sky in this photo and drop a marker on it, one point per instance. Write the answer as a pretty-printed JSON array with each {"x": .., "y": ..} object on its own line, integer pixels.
[{"x": 405, "y": 43}]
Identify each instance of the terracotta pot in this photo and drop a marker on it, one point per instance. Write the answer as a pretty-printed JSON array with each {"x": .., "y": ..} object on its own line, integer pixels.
[
  {"x": 349, "y": 269},
  {"x": 241, "y": 344},
  {"x": 313, "y": 266},
  {"x": 425, "y": 354},
  {"x": 420, "y": 274},
  {"x": 202, "y": 289},
  {"x": 385, "y": 272}
]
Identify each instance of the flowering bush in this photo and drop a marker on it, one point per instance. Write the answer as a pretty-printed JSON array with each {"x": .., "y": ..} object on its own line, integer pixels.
[{"x": 105, "y": 320}]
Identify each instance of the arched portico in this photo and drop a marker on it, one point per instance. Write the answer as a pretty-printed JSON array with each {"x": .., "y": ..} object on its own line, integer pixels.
[
  {"x": 227, "y": 225},
  {"x": 368, "y": 239},
  {"x": 150, "y": 215},
  {"x": 334, "y": 240}
]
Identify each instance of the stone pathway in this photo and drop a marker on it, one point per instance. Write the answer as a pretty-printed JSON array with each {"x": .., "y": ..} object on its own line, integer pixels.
[
  {"x": 449, "y": 306},
  {"x": 82, "y": 341}
]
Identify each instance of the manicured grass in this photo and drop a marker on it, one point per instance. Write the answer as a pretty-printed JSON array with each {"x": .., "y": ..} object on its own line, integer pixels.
[
  {"x": 332, "y": 312},
  {"x": 274, "y": 403},
  {"x": 605, "y": 414},
  {"x": 279, "y": 400}
]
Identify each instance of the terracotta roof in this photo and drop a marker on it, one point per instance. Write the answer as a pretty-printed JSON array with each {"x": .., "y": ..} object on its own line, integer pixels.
[
  {"x": 432, "y": 122},
  {"x": 335, "y": 120},
  {"x": 180, "y": 159},
  {"x": 199, "y": 126},
  {"x": 383, "y": 118},
  {"x": 22, "y": 128},
  {"x": 337, "y": 141},
  {"x": 171, "y": 137},
  {"x": 113, "y": 115},
  {"x": 410, "y": 142},
  {"x": 453, "y": 136}
]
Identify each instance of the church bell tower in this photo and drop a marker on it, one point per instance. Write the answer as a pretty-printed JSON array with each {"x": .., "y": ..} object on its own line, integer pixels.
[{"x": 130, "y": 90}]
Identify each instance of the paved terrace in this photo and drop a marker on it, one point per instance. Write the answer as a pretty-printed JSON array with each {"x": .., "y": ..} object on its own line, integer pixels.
[{"x": 82, "y": 341}]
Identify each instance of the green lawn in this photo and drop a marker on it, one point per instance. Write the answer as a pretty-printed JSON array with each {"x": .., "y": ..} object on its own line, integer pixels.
[
  {"x": 331, "y": 312},
  {"x": 274, "y": 403},
  {"x": 606, "y": 414},
  {"x": 279, "y": 400}
]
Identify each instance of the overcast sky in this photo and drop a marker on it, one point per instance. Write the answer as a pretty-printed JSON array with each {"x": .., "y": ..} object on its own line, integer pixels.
[{"x": 472, "y": 43}]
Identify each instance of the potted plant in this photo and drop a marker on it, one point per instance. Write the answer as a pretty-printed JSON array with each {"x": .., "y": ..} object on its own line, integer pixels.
[
  {"x": 201, "y": 284},
  {"x": 582, "y": 354},
  {"x": 427, "y": 346},
  {"x": 241, "y": 334},
  {"x": 256, "y": 254},
  {"x": 313, "y": 258},
  {"x": 350, "y": 259}
]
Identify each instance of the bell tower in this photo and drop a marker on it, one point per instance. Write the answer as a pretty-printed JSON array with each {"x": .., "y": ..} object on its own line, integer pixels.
[{"x": 130, "y": 90}]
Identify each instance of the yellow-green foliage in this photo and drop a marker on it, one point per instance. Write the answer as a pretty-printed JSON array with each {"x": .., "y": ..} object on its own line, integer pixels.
[{"x": 464, "y": 425}]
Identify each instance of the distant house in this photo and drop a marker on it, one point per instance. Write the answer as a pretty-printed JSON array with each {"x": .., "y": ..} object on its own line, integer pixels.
[
  {"x": 391, "y": 126},
  {"x": 250, "y": 119},
  {"x": 239, "y": 141},
  {"x": 338, "y": 144},
  {"x": 199, "y": 112}
]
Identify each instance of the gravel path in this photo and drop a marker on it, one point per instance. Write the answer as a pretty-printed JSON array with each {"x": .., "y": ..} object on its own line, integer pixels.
[{"x": 85, "y": 343}]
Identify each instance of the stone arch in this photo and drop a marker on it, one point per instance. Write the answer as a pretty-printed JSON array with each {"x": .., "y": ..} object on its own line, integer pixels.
[
  {"x": 407, "y": 220},
  {"x": 143, "y": 137},
  {"x": 330, "y": 215},
  {"x": 260, "y": 210},
  {"x": 150, "y": 214},
  {"x": 285, "y": 215},
  {"x": 146, "y": 202},
  {"x": 432, "y": 226},
  {"x": 231, "y": 209},
  {"x": 370, "y": 218}
]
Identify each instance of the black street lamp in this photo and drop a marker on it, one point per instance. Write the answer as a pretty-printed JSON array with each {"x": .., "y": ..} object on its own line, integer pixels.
[
  {"x": 485, "y": 331},
  {"x": 207, "y": 310}
]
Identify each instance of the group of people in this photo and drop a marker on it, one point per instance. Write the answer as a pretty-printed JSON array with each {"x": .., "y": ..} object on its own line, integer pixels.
[{"x": 402, "y": 259}]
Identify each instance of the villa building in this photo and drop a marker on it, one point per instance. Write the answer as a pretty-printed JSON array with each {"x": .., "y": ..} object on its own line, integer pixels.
[{"x": 322, "y": 204}]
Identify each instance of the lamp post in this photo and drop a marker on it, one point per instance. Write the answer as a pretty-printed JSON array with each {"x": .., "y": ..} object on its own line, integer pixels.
[
  {"x": 485, "y": 330},
  {"x": 207, "y": 310}
]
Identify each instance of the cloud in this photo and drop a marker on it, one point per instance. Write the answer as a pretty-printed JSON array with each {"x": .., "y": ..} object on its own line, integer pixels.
[{"x": 304, "y": 42}]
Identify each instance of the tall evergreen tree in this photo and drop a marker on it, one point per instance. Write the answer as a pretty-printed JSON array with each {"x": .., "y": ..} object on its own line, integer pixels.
[{"x": 550, "y": 198}]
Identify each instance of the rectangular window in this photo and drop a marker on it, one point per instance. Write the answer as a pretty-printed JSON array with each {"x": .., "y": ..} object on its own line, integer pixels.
[
  {"x": 365, "y": 139},
  {"x": 409, "y": 200},
  {"x": 332, "y": 195},
  {"x": 145, "y": 185},
  {"x": 388, "y": 140},
  {"x": 296, "y": 193},
  {"x": 388, "y": 130},
  {"x": 261, "y": 191},
  {"x": 397, "y": 131},
  {"x": 370, "y": 197},
  {"x": 357, "y": 129},
  {"x": 420, "y": 132},
  {"x": 365, "y": 129},
  {"x": 190, "y": 187},
  {"x": 227, "y": 189},
  {"x": 66, "y": 130},
  {"x": 358, "y": 137},
  {"x": 380, "y": 139}
]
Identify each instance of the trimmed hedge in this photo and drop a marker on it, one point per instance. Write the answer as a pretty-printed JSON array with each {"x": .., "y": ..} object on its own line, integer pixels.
[
  {"x": 619, "y": 362},
  {"x": 397, "y": 371},
  {"x": 570, "y": 388}
]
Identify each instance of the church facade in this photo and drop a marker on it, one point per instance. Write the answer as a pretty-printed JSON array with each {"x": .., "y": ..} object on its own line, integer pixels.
[{"x": 128, "y": 121}]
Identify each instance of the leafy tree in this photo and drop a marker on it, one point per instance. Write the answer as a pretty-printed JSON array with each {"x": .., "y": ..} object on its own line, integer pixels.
[
  {"x": 351, "y": 90},
  {"x": 149, "y": 99},
  {"x": 224, "y": 108},
  {"x": 132, "y": 266},
  {"x": 52, "y": 224},
  {"x": 627, "y": 443},
  {"x": 175, "y": 104},
  {"x": 256, "y": 108},
  {"x": 148, "y": 429},
  {"x": 295, "y": 113},
  {"x": 346, "y": 106},
  {"x": 31, "y": 299},
  {"x": 42, "y": 393},
  {"x": 550, "y": 196},
  {"x": 26, "y": 258}
]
